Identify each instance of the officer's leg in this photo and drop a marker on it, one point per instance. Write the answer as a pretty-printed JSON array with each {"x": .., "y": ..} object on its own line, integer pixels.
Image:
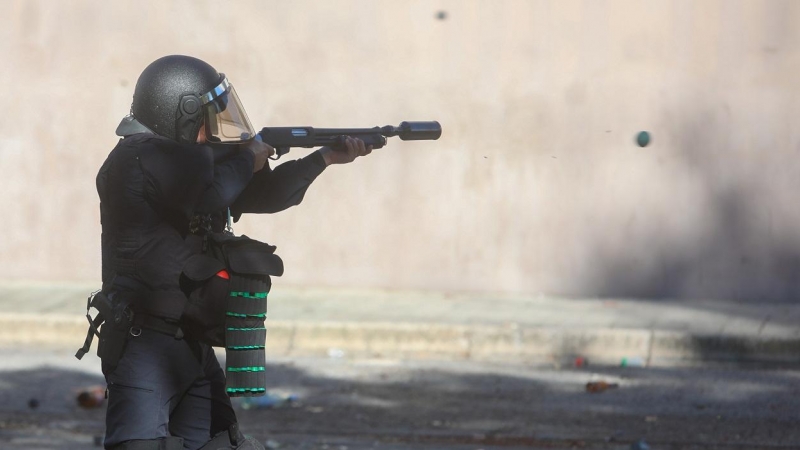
[
  {"x": 150, "y": 377},
  {"x": 234, "y": 440},
  {"x": 170, "y": 443},
  {"x": 205, "y": 410}
]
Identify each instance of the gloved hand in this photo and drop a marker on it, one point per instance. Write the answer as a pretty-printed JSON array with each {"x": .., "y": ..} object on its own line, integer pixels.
[
  {"x": 352, "y": 149},
  {"x": 261, "y": 151}
]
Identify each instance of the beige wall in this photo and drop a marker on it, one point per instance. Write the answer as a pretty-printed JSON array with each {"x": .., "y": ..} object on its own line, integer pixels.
[{"x": 536, "y": 184}]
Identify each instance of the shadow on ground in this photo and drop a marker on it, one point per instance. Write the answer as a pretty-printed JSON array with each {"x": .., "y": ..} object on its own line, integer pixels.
[
  {"x": 455, "y": 404},
  {"x": 507, "y": 406}
]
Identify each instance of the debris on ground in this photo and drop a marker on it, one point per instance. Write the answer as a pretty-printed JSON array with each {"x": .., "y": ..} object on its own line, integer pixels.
[
  {"x": 268, "y": 401},
  {"x": 595, "y": 387},
  {"x": 335, "y": 353},
  {"x": 91, "y": 397},
  {"x": 614, "y": 437},
  {"x": 636, "y": 361}
]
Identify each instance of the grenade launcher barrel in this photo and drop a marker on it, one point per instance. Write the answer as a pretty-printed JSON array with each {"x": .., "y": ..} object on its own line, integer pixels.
[{"x": 284, "y": 138}]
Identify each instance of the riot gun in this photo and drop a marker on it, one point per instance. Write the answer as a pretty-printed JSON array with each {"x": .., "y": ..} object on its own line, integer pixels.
[{"x": 284, "y": 138}]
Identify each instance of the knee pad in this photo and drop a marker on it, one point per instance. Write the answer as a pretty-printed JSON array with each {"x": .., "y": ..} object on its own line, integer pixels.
[
  {"x": 169, "y": 443},
  {"x": 233, "y": 439}
]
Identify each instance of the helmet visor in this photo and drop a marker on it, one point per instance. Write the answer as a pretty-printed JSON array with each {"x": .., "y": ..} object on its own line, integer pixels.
[{"x": 225, "y": 118}]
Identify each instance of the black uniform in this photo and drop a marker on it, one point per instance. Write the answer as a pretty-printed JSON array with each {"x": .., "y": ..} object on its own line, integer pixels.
[{"x": 150, "y": 190}]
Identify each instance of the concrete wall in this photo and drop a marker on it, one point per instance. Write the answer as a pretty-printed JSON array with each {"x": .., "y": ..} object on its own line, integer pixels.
[{"x": 536, "y": 184}]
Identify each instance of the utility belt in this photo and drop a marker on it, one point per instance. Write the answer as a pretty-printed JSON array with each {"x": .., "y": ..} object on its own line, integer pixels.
[
  {"x": 224, "y": 304},
  {"x": 116, "y": 321}
]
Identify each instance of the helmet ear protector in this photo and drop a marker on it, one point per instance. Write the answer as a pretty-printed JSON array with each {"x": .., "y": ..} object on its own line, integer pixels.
[{"x": 189, "y": 118}]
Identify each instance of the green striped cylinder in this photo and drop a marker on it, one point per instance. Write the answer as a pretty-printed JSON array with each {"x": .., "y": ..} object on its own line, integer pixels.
[
  {"x": 245, "y": 392},
  {"x": 245, "y": 335}
]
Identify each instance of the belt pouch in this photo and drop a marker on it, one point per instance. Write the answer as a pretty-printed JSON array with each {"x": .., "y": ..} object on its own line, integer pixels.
[
  {"x": 204, "y": 315},
  {"x": 115, "y": 330},
  {"x": 250, "y": 264}
]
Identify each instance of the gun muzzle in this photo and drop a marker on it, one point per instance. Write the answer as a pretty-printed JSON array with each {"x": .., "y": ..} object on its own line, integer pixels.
[{"x": 420, "y": 131}]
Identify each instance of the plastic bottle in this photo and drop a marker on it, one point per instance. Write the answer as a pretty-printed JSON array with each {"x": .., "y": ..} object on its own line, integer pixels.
[
  {"x": 636, "y": 361},
  {"x": 268, "y": 401}
]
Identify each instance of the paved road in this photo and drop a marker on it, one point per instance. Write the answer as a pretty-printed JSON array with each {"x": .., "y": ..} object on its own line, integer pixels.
[{"x": 386, "y": 404}]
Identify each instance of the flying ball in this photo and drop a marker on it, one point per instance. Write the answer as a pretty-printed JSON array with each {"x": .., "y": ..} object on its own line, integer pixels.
[{"x": 643, "y": 138}]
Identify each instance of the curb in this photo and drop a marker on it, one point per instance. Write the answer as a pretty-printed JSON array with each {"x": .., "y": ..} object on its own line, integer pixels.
[{"x": 510, "y": 344}]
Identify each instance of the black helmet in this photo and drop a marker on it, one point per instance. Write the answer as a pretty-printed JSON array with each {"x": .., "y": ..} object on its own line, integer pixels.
[{"x": 177, "y": 94}]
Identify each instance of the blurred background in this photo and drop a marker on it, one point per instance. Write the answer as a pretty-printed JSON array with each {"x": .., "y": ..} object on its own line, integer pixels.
[{"x": 536, "y": 185}]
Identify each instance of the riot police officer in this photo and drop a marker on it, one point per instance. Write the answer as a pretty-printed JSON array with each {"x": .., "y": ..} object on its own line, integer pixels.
[{"x": 186, "y": 162}]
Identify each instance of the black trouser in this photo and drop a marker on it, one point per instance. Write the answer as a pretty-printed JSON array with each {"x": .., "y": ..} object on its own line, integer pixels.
[{"x": 163, "y": 387}]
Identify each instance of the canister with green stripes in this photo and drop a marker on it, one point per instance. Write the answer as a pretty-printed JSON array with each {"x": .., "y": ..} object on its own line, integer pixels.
[{"x": 245, "y": 335}]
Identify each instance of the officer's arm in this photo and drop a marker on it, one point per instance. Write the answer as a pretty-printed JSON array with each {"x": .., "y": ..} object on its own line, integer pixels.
[
  {"x": 273, "y": 190},
  {"x": 231, "y": 176}
]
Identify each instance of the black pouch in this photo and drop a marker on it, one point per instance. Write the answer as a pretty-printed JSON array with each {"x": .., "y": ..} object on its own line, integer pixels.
[
  {"x": 214, "y": 301},
  {"x": 207, "y": 291},
  {"x": 233, "y": 311},
  {"x": 116, "y": 328}
]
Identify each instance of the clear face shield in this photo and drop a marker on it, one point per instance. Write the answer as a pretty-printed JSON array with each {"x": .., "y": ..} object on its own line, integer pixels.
[{"x": 225, "y": 120}]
